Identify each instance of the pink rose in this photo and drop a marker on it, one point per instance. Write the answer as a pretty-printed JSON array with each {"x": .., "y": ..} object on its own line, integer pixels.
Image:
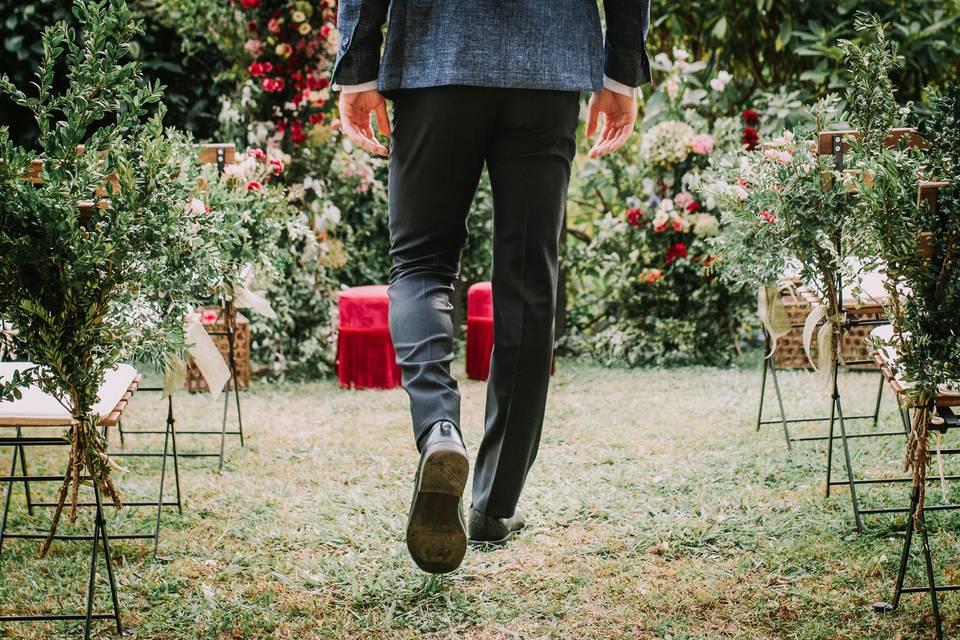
[
  {"x": 683, "y": 199},
  {"x": 253, "y": 185},
  {"x": 702, "y": 144},
  {"x": 254, "y": 47}
]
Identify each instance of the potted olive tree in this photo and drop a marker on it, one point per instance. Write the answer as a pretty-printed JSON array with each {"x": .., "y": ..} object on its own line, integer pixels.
[{"x": 88, "y": 286}]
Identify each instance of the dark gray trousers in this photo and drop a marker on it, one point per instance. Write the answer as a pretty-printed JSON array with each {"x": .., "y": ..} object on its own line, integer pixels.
[{"x": 442, "y": 136}]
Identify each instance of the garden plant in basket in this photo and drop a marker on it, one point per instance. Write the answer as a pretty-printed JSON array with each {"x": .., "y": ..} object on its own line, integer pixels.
[{"x": 89, "y": 287}]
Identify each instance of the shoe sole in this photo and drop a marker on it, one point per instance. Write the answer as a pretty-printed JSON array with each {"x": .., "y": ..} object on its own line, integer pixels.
[{"x": 436, "y": 534}]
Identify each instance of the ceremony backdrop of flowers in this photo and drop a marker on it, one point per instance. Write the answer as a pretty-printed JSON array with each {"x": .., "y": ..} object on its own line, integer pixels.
[{"x": 642, "y": 283}]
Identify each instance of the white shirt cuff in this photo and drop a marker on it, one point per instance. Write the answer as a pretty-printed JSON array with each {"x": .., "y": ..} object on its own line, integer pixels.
[
  {"x": 619, "y": 87},
  {"x": 356, "y": 88}
]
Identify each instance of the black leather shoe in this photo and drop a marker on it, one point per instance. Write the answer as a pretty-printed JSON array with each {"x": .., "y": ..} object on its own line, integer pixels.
[
  {"x": 493, "y": 532},
  {"x": 436, "y": 535}
]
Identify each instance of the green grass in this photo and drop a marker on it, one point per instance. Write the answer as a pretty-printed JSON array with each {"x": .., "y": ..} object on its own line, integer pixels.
[{"x": 655, "y": 511}]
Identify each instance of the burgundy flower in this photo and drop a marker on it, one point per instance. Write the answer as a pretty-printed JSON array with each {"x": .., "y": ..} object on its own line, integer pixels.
[
  {"x": 676, "y": 252},
  {"x": 750, "y": 117},
  {"x": 751, "y": 138}
]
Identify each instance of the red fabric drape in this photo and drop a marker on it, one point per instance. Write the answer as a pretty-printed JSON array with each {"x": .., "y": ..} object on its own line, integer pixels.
[{"x": 365, "y": 355}]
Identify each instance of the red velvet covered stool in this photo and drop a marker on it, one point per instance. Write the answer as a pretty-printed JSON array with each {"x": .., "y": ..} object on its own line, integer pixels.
[
  {"x": 365, "y": 355},
  {"x": 479, "y": 330}
]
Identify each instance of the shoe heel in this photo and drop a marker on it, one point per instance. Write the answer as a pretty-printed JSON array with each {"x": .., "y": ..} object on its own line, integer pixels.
[{"x": 445, "y": 471}]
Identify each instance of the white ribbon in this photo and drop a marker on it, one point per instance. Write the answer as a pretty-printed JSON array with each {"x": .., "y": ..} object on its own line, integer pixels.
[
  {"x": 809, "y": 325},
  {"x": 773, "y": 314},
  {"x": 174, "y": 376},
  {"x": 243, "y": 298},
  {"x": 206, "y": 356}
]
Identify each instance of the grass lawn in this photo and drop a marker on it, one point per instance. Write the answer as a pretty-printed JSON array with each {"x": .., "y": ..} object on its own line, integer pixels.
[{"x": 655, "y": 511}]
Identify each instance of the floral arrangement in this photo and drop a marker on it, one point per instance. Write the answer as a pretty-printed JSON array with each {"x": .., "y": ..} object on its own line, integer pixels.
[
  {"x": 290, "y": 50},
  {"x": 786, "y": 211},
  {"x": 129, "y": 264},
  {"x": 643, "y": 288},
  {"x": 919, "y": 244},
  {"x": 252, "y": 212}
]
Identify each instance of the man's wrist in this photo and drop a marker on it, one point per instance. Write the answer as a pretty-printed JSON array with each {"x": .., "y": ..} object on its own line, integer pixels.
[
  {"x": 356, "y": 88},
  {"x": 619, "y": 87}
]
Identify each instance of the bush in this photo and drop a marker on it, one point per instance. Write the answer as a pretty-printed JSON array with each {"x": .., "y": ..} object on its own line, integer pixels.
[
  {"x": 641, "y": 286},
  {"x": 191, "y": 79},
  {"x": 795, "y": 44}
]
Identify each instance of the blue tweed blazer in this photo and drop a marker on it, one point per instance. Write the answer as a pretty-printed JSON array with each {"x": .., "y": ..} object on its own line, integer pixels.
[{"x": 525, "y": 44}]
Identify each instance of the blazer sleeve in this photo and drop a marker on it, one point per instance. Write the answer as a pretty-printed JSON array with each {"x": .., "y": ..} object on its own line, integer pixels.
[
  {"x": 625, "y": 48},
  {"x": 360, "y": 23}
]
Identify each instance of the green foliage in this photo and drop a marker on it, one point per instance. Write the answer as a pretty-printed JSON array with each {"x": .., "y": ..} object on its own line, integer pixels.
[
  {"x": 919, "y": 244},
  {"x": 786, "y": 212},
  {"x": 772, "y": 44},
  {"x": 641, "y": 286},
  {"x": 90, "y": 287},
  {"x": 191, "y": 75}
]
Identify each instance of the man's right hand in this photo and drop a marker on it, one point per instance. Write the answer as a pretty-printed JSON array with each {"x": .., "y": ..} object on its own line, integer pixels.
[{"x": 356, "y": 110}]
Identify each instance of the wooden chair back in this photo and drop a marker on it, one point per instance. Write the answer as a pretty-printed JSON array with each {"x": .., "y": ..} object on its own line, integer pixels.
[{"x": 836, "y": 143}]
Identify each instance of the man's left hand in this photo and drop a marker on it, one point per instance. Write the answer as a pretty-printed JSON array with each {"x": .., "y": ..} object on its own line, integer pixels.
[{"x": 619, "y": 116}]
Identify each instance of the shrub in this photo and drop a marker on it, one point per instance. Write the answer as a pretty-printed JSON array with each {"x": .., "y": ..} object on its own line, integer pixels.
[
  {"x": 641, "y": 289},
  {"x": 111, "y": 282}
]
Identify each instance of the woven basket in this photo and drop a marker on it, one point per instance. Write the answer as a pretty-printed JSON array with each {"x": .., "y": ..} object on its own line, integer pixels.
[
  {"x": 790, "y": 353},
  {"x": 241, "y": 349}
]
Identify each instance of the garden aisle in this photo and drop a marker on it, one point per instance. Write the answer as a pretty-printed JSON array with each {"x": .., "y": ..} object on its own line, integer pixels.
[{"x": 656, "y": 512}]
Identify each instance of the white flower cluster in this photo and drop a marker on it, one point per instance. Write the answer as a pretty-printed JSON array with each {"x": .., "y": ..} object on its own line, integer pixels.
[{"x": 667, "y": 143}]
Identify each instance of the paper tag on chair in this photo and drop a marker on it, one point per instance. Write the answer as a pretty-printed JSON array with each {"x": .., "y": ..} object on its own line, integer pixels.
[
  {"x": 174, "y": 376},
  {"x": 206, "y": 356},
  {"x": 243, "y": 298}
]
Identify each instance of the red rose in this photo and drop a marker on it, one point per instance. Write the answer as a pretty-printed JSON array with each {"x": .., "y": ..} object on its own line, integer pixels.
[
  {"x": 296, "y": 133},
  {"x": 751, "y": 138},
  {"x": 324, "y": 83},
  {"x": 258, "y": 154},
  {"x": 316, "y": 118},
  {"x": 253, "y": 185},
  {"x": 325, "y": 30},
  {"x": 676, "y": 252},
  {"x": 249, "y": 4},
  {"x": 635, "y": 217},
  {"x": 750, "y": 117},
  {"x": 282, "y": 126},
  {"x": 277, "y": 167},
  {"x": 693, "y": 207},
  {"x": 256, "y": 69}
]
